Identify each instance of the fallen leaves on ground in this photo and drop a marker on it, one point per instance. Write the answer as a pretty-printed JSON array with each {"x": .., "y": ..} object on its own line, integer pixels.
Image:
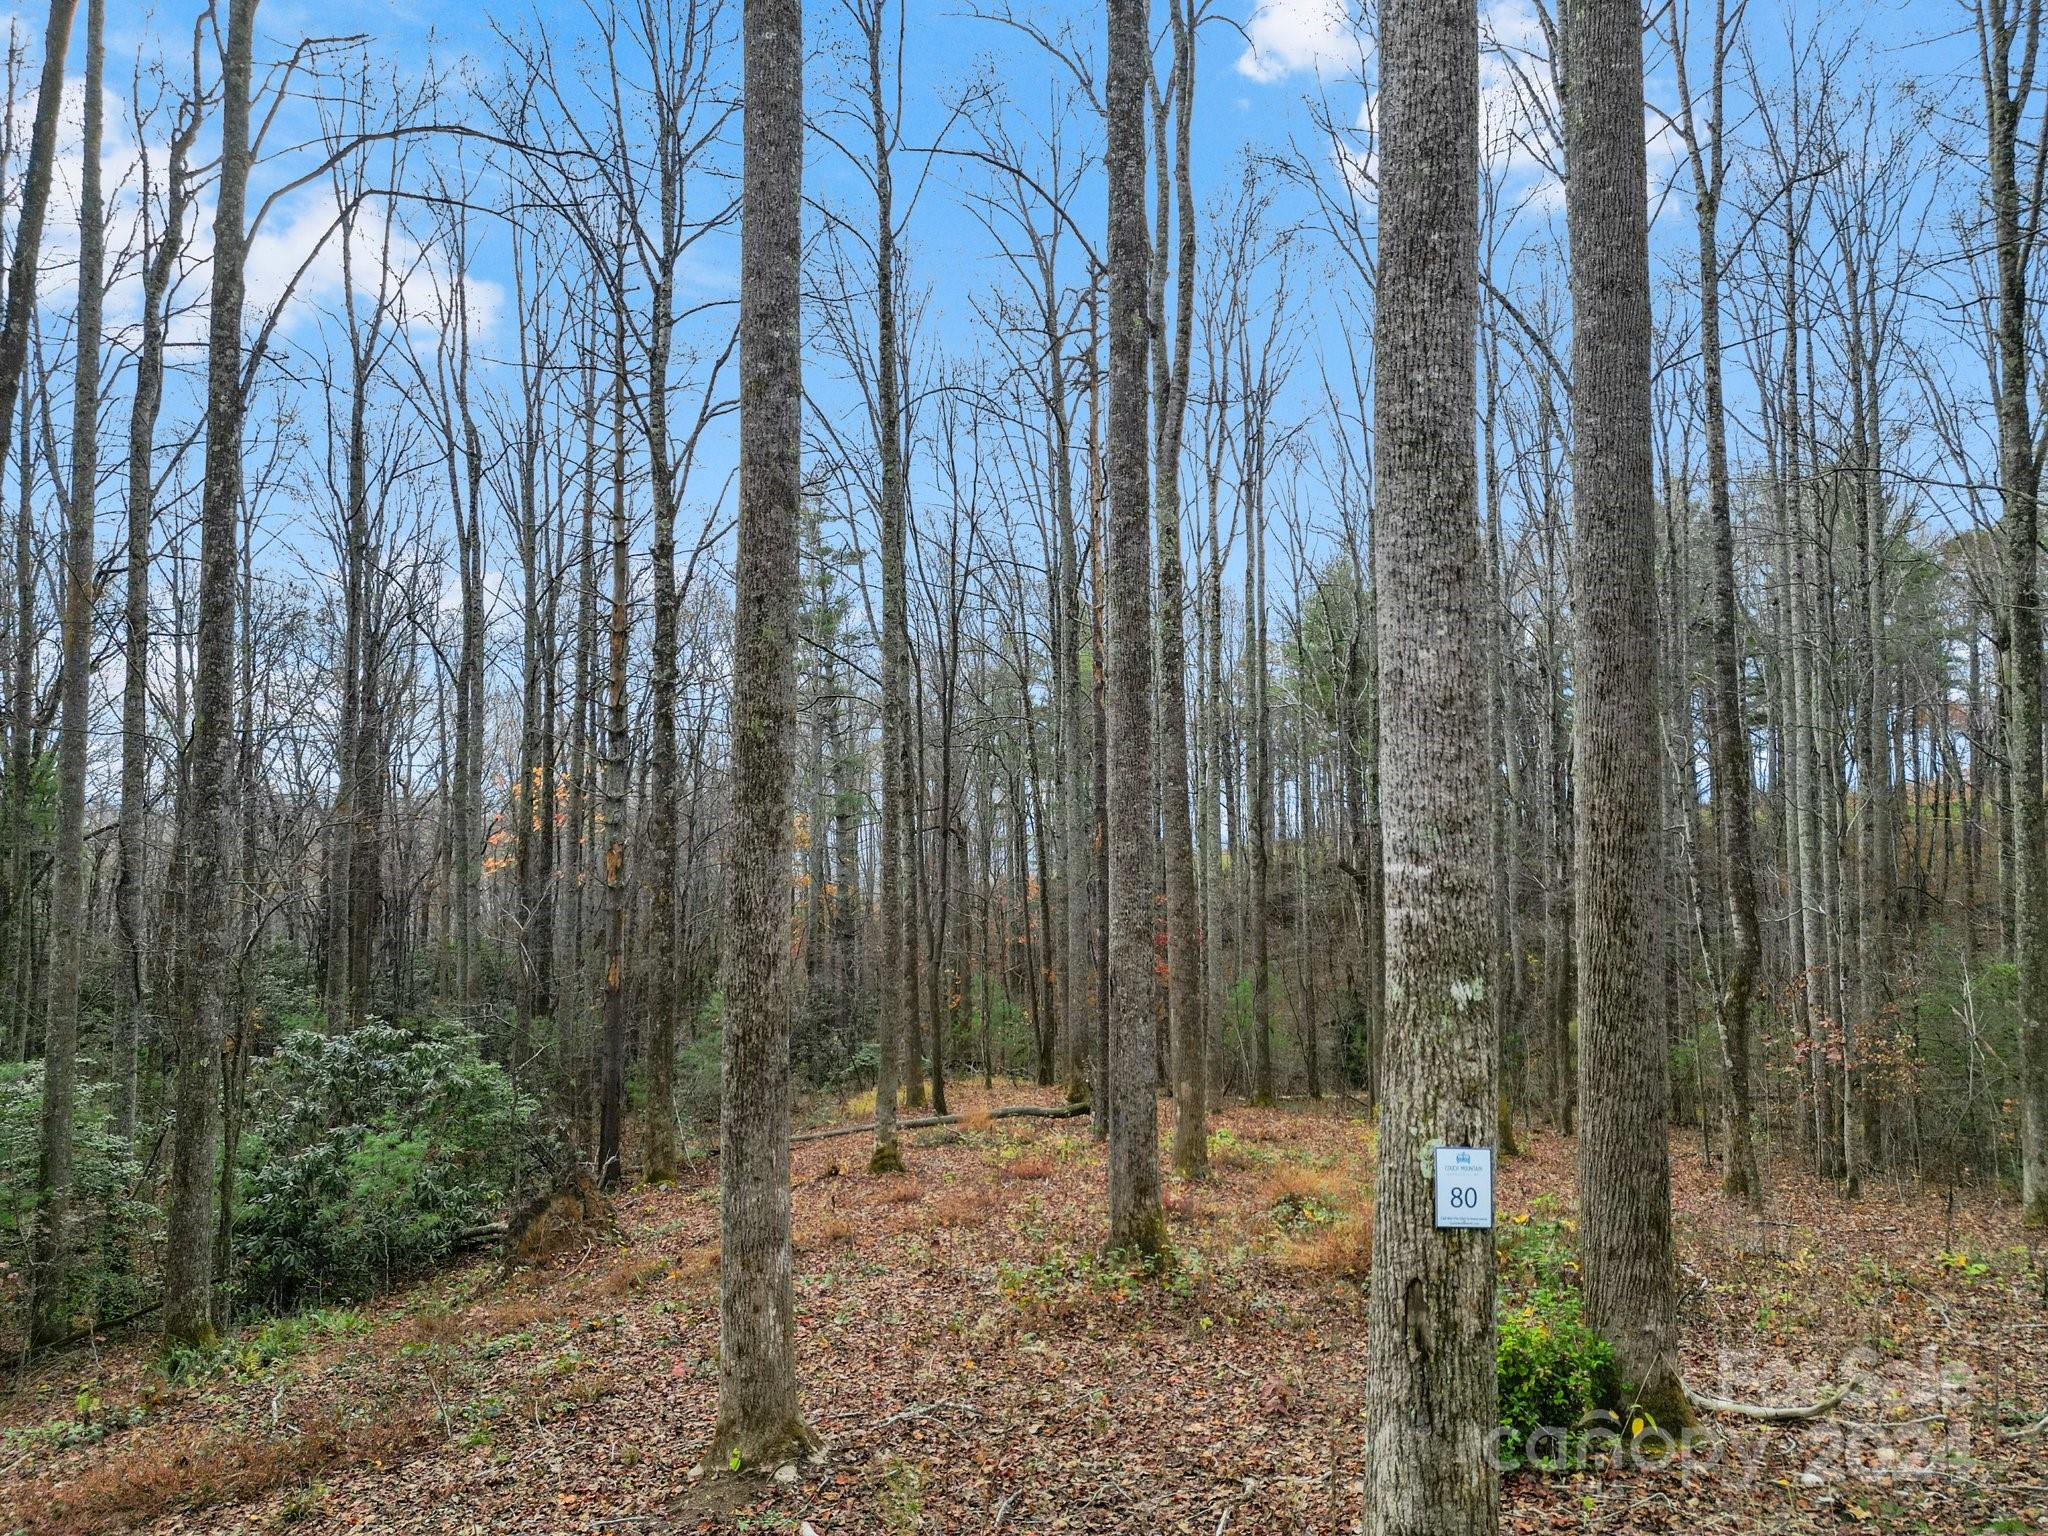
[{"x": 973, "y": 1366}]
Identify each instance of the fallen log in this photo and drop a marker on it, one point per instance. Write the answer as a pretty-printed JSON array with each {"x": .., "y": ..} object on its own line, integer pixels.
[
  {"x": 923, "y": 1122},
  {"x": 1765, "y": 1413}
]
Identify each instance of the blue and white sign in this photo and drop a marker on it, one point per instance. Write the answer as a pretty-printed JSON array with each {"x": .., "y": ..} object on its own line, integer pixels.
[{"x": 1464, "y": 1187}]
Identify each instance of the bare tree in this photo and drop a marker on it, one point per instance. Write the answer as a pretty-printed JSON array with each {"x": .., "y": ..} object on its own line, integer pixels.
[
  {"x": 81, "y": 589},
  {"x": 188, "y": 1251}
]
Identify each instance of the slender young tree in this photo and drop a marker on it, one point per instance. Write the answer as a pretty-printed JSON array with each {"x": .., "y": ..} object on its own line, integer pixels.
[
  {"x": 1137, "y": 1223},
  {"x": 1727, "y": 722},
  {"x": 195, "y": 1096},
  {"x": 1174, "y": 368},
  {"x": 2009, "y": 47},
  {"x": 1624, "y": 1155},
  {"x": 759, "y": 1421},
  {"x": 68, "y": 913},
  {"x": 145, "y": 404},
  {"x": 1430, "y": 1398},
  {"x": 894, "y": 1034}
]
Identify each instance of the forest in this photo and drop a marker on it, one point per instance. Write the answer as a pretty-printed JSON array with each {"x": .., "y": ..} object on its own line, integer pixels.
[{"x": 1190, "y": 765}]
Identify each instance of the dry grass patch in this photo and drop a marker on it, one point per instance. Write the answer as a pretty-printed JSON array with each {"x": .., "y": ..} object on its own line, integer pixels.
[
  {"x": 898, "y": 1191},
  {"x": 633, "y": 1276},
  {"x": 699, "y": 1263},
  {"x": 961, "y": 1208},
  {"x": 1336, "y": 1250},
  {"x": 213, "y": 1470},
  {"x": 1299, "y": 1188},
  {"x": 437, "y": 1326},
  {"x": 824, "y": 1234},
  {"x": 1032, "y": 1166}
]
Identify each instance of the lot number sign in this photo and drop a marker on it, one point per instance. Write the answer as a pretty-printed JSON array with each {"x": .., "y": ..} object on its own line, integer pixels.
[{"x": 1464, "y": 1187}]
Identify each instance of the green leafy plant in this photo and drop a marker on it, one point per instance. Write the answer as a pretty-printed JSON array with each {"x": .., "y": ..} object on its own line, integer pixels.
[
  {"x": 112, "y": 1231},
  {"x": 367, "y": 1156},
  {"x": 1551, "y": 1370}
]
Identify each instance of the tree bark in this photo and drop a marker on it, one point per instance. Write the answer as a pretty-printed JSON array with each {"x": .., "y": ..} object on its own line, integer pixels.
[
  {"x": 1137, "y": 1224},
  {"x": 188, "y": 1249},
  {"x": 758, "y": 1418},
  {"x": 1430, "y": 1393},
  {"x": 1624, "y": 1157},
  {"x": 68, "y": 890}
]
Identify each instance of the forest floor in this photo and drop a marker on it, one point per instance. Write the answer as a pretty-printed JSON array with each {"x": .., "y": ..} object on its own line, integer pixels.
[{"x": 973, "y": 1368}]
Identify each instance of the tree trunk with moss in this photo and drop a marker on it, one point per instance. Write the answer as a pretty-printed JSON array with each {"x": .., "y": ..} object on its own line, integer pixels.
[
  {"x": 203, "y": 1010},
  {"x": 758, "y": 1418},
  {"x": 1136, "y": 1222}
]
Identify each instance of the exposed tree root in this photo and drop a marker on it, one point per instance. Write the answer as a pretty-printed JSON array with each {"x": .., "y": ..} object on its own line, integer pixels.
[
  {"x": 2023, "y": 1431},
  {"x": 1765, "y": 1413}
]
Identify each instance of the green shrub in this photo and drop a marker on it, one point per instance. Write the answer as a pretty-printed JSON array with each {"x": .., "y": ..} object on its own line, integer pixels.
[
  {"x": 1551, "y": 1369},
  {"x": 367, "y": 1155},
  {"x": 699, "y": 1064},
  {"x": 111, "y": 1232}
]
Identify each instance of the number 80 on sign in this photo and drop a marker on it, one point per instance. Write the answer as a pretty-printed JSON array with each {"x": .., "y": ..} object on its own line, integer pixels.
[{"x": 1464, "y": 1187}]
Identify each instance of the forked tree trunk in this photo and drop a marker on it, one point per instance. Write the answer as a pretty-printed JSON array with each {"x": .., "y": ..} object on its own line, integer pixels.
[{"x": 202, "y": 1024}]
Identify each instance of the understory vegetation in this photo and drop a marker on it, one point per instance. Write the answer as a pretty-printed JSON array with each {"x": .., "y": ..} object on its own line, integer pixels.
[{"x": 975, "y": 1351}]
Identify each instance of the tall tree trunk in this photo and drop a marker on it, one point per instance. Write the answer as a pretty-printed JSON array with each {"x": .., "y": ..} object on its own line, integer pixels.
[
  {"x": 659, "y": 1129},
  {"x": 1430, "y": 1386},
  {"x": 188, "y": 1249},
  {"x": 144, "y": 405},
  {"x": 1727, "y": 719},
  {"x": 1625, "y": 1175},
  {"x": 1183, "y": 916},
  {"x": 1137, "y": 1224},
  {"x": 1258, "y": 926},
  {"x": 611, "y": 1093},
  {"x": 68, "y": 892},
  {"x": 15, "y": 336},
  {"x": 758, "y": 1417},
  {"x": 2008, "y": 87}
]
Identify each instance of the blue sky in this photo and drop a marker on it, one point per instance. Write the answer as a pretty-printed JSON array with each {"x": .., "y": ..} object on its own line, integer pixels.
[{"x": 1260, "y": 68}]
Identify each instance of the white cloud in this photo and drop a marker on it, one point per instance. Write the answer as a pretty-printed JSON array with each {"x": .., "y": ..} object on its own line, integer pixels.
[
  {"x": 304, "y": 226},
  {"x": 1289, "y": 37}
]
